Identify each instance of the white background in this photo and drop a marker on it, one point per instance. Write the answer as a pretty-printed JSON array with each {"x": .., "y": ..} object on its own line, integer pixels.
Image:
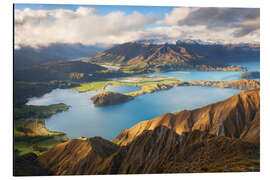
[{"x": 6, "y": 64}]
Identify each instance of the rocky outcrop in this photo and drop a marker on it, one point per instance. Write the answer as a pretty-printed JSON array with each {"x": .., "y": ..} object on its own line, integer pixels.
[
  {"x": 233, "y": 118},
  {"x": 219, "y": 137},
  {"x": 107, "y": 98}
]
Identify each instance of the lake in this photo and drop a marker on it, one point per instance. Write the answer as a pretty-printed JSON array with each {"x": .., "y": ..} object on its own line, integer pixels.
[
  {"x": 84, "y": 119},
  {"x": 211, "y": 75},
  {"x": 122, "y": 89}
]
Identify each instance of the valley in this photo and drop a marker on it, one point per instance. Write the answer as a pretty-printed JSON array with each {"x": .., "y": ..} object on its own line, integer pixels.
[{"x": 135, "y": 89}]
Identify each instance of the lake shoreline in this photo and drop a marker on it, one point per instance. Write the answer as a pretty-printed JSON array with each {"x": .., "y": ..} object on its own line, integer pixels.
[{"x": 160, "y": 85}]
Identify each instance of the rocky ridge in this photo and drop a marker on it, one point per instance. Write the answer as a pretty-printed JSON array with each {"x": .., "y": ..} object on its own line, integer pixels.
[{"x": 232, "y": 118}]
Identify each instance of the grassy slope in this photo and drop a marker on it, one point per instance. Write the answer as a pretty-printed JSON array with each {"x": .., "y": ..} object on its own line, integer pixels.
[{"x": 30, "y": 133}]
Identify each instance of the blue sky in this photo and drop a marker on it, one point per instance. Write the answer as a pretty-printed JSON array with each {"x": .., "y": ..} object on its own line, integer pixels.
[{"x": 158, "y": 11}]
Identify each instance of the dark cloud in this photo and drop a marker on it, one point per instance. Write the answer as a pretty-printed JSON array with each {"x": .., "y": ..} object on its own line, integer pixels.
[
  {"x": 250, "y": 24},
  {"x": 245, "y": 20}
]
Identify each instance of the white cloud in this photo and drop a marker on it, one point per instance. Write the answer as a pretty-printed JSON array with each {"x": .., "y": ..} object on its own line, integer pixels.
[
  {"x": 242, "y": 22},
  {"x": 176, "y": 15},
  {"x": 175, "y": 32},
  {"x": 42, "y": 27}
]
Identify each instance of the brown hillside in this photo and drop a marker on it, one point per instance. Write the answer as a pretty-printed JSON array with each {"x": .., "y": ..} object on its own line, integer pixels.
[
  {"x": 233, "y": 118},
  {"x": 164, "y": 151},
  {"x": 158, "y": 151},
  {"x": 76, "y": 155},
  {"x": 180, "y": 56}
]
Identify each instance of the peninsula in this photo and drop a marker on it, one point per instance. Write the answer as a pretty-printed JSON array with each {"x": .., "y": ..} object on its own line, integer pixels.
[{"x": 152, "y": 84}]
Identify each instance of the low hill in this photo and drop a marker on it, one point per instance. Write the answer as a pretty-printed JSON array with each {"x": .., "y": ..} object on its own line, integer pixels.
[
  {"x": 62, "y": 70},
  {"x": 27, "y": 57},
  {"x": 107, "y": 98}
]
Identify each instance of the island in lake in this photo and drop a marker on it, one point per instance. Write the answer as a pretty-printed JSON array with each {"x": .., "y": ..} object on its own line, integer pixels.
[
  {"x": 107, "y": 98},
  {"x": 108, "y": 104}
]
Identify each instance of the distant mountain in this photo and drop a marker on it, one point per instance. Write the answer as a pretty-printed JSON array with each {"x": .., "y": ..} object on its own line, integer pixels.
[
  {"x": 145, "y": 55},
  {"x": 224, "y": 136},
  {"x": 27, "y": 57}
]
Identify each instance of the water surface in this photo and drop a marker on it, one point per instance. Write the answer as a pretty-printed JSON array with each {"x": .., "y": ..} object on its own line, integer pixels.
[
  {"x": 251, "y": 66},
  {"x": 211, "y": 75},
  {"x": 84, "y": 119},
  {"x": 122, "y": 89}
]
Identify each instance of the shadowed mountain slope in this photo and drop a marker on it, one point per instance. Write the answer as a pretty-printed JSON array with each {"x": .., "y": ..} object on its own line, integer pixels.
[
  {"x": 63, "y": 70},
  {"x": 27, "y": 57}
]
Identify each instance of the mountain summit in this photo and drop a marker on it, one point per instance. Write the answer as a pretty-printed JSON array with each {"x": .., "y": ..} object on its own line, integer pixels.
[{"x": 183, "y": 55}]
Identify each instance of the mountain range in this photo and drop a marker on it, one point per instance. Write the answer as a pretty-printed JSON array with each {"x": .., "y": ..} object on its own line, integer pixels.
[
  {"x": 144, "y": 56},
  {"x": 135, "y": 57}
]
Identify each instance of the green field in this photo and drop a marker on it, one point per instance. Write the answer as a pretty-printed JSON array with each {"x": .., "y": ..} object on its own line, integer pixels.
[
  {"x": 147, "y": 85},
  {"x": 30, "y": 133}
]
